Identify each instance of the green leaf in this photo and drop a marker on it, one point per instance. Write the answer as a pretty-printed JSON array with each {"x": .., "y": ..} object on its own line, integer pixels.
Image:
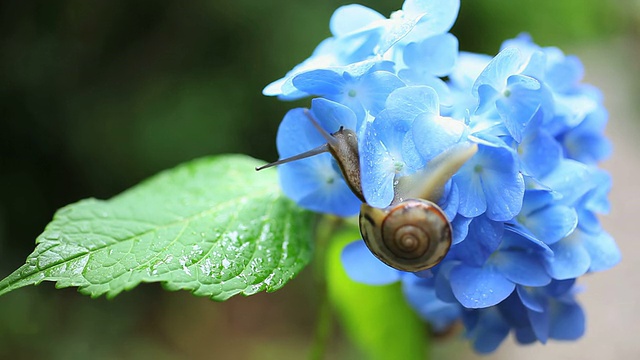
[
  {"x": 213, "y": 226},
  {"x": 376, "y": 318}
]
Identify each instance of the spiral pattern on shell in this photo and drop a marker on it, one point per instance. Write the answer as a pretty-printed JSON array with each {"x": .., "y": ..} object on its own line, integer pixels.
[{"x": 413, "y": 235}]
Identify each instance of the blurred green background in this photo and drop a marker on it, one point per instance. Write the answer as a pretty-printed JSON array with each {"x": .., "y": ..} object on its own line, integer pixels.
[{"x": 96, "y": 96}]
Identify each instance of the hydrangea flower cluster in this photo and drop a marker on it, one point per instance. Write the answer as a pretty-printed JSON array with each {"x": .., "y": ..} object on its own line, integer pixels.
[{"x": 523, "y": 208}]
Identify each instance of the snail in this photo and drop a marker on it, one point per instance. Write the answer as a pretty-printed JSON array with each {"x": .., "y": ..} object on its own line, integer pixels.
[{"x": 412, "y": 233}]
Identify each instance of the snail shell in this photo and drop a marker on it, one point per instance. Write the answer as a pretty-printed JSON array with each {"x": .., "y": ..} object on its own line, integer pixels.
[{"x": 412, "y": 235}]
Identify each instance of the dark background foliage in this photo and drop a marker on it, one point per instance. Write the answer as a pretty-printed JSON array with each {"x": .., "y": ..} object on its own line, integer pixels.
[{"x": 96, "y": 96}]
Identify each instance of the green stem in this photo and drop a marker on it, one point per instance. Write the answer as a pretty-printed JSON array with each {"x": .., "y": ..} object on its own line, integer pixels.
[
  {"x": 324, "y": 324},
  {"x": 325, "y": 229}
]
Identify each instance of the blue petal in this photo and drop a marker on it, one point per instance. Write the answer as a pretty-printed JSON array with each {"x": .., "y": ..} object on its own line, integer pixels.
[
  {"x": 596, "y": 200},
  {"x": 375, "y": 87},
  {"x": 602, "y": 249},
  {"x": 410, "y": 155},
  {"x": 504, "y": 195},
  {"x": 588, "y": 221},
  {"x": 570, "y": 111},
  {"x": 487, "y": 97},
  {"x": 521, "y": 267},
  {"x": 296, "y": 135},
  {"x": 518, "y": 108},
  {"x": 525, "y": 335},
  {"x": 435, "y": 55},
  {"x": 440, "y": 15},
  {"x": 467, "y": 69},
  {"x": 483, "y": 239},
  {"x": 571, "y": 179},
  {"x": 535, "y": 199},
  {"x": 517, "y": 237},
  {"x": 357, "y": 46},
  {"x": 508, "y": 62},
  {"x": 586, "y": 142},
  {"x": 490, "y": 331},
  {"x": 502, "y": 183},
  {"x": 540, "y": 153},
  {"x": 567, "y": 321},
  {"x": 443, "y": 283},
  {"x": 362, "y": 266},
  {"x": 540, "y": 324},
  {"x": 299, "y": 179},
  {"x": 570, "y": 258},
  {"x": 315, "y": 184},
  {"x": 353, "y": 17},
  {"x": 537, "y": 64},
  {"x": 360, "y": 68},
  {"x": 332, "y": 115},
  {"x": 414, "y": 77},
  {"x": 391, "y": 132},
  {"x": 320, "y": 82},
  {"x": 332, "y": 195},
  {"x": 460, "y": 225},
  {"x": 472, "y": 198},
  {"x": 450, "y": 201},
  {"x": 396, "y": 28},
  {"x": 479, "y": 287},
  {"x": 564, "y": 75},
  {"x": 551, "y": 223},
  {"x": 530, "y": 298},
  {"x": 513, "y": 311},
  {"x": 443, "y": 91},
  {"x": 406, "y": 103},
  {"x": 560, "y": 288},
  {"x": 587, "y": 147},
  {"x": 433, "y": 134},
  {"x": 422, "y": 297}
]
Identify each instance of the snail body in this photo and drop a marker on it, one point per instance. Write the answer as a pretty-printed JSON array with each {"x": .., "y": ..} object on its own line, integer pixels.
[{"x": 413, "y": 233}]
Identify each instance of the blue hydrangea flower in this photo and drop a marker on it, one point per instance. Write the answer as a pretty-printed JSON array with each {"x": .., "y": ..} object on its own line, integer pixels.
[
  {"x": 360, "y": 34},
  {"x": 524, "y": 208}
]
